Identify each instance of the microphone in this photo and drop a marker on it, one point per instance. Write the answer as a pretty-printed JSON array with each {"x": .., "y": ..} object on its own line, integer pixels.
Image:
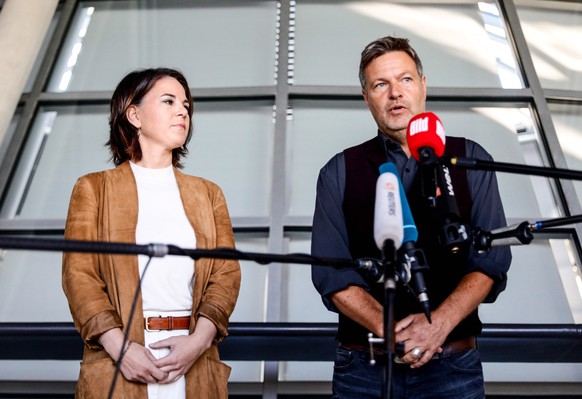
[
  {"x": 520, "y": 234},
  {"x": 517, "y": 234},
  {"x": 425, "y": 136},
  {"x": 426, "y": 139},
  {"x": 387, "y": 211},
  {"x": 412, "y": 258}
]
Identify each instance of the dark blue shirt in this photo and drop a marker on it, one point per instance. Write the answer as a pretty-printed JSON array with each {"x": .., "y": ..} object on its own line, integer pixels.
[{"x": 330, "y": 237}]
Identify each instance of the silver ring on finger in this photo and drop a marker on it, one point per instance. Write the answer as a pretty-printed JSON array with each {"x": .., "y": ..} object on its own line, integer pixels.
[{"x": 416, "y": 352}]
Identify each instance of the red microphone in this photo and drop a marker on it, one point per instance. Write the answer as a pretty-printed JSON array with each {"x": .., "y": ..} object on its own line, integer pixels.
[
  {"x": 425, "y": 136},
  {"x": 425, "y": 132}
]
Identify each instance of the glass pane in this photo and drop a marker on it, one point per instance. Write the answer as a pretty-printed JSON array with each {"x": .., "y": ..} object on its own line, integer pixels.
[
  {"x": 534, "y": 268},
  {"x": 63, "y": 144},
  {"x": 250, "y": 306},
  {"x": 64, "y": 372},
  {"x": 318, "y": 131},
  {"x": 300, "y": 294},
  {"x": 469, "y": 50},
  {"x": 203, "y": 39},
  {"x": 553, "y": 30},
  {"x": 232, "y": 145},
  {"x": 31, "y": 285},
  {"x": 567, "y": 120},
  {"x": 68, "y": 142},
  {"x": 321, "y": 129}
]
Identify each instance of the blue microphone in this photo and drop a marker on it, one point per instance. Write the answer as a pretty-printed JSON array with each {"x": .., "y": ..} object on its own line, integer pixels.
[{"x": 412, "y": 258}]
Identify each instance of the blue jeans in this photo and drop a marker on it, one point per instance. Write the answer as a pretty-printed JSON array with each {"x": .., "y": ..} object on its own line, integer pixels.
[{"x": 457, "y": 376}]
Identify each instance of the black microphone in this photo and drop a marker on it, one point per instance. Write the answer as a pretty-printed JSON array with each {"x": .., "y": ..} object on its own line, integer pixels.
[
  {"x": 425, "y": 137},
  {"x": 372, "y": 269},
  {"x": 454, "y": 236},
  {"x": 517, "y": 234},
  {"x": 411, "y": 258},
  {"x": 520, "y": 234}
]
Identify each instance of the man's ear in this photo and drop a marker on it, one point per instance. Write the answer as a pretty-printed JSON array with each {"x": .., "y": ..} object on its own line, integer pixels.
[
  {"x": 132, "y": 115},
  {"x": 365, "y": 95}
]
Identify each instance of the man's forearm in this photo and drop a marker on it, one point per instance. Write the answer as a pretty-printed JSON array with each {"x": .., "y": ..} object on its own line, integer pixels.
[
  {"x": 470, "y": 292},
  {"x": 357, "y": 304}
]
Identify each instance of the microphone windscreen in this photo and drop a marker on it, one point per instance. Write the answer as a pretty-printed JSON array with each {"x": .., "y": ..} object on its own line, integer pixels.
[
  {"x": 425, "y": 130},
  {"x": 410, "y": 232},
  {"x": 388, "y": 211}
]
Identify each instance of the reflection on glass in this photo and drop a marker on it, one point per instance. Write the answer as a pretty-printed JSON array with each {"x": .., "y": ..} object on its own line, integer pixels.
[
  {"x": 470, "y": 50},
  {"x": 75, "y": 43},
  {"x": 215, "y": 44},
  {"x": 553, "y": 31}
]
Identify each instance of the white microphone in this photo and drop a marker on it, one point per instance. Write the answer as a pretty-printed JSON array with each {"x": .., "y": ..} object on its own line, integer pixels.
[
  {"x": 388, "y": 223},
  {"x": 412, "y": 258}
]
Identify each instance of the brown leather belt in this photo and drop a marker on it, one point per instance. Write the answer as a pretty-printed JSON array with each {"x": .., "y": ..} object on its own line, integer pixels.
[
  {"x": 449, "y": 348},
  {"x": 461, "y": 345},
  {"x": 166, "y": 323}
]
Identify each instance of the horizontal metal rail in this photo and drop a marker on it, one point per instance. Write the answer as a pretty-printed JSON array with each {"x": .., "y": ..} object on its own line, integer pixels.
[{"x": 516, "y": 343}]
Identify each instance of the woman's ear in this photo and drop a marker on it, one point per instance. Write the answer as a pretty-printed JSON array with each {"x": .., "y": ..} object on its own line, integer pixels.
[{"x": 132, "y": 115}]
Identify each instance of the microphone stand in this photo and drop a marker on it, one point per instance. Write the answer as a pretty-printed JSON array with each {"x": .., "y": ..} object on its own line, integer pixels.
[
  {"x": 517, "y": 234},
  {"x": 472, "y": 163},
  {"x": 161, "y": 250},
  {"x": 389, "y": 262},
  {"x": 541, "y": 224}
]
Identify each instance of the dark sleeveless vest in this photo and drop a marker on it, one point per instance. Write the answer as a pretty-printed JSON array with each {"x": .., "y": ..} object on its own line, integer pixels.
[{"x": 446, "y": 270}]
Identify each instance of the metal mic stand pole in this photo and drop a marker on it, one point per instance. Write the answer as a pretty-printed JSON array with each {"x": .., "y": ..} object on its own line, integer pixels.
[
  {"x": 389, "y": 262},
  {"x": 479, "y": 164}
]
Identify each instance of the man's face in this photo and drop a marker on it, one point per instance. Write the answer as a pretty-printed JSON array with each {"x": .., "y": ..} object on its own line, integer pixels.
[{"x": 394, "y": 93}]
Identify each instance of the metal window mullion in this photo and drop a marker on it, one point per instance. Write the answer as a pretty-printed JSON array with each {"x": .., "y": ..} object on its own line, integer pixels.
[
  {"x": 278, "y": 191},
  {"x": 555, "y": 154}
]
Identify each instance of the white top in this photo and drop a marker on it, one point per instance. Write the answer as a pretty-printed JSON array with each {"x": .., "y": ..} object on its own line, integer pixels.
[{"x": 168, "y": 281}]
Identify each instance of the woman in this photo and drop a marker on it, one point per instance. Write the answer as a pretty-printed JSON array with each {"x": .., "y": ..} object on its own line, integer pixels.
[{"x": 146, "y": 199}]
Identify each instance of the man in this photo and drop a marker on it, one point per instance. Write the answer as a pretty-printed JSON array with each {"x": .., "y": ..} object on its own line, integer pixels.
[{"x": 439, "y": 359}]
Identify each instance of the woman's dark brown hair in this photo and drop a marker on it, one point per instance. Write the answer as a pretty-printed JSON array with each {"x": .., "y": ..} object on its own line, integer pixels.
[{"x": 123, "y": 136}]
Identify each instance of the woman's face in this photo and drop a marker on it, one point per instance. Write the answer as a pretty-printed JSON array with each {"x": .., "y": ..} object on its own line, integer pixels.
[{"x": 162, "y": 117}]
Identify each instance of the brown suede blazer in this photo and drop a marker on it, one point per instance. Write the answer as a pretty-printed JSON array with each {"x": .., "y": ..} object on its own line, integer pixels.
[{"x": 100, "y": 287}]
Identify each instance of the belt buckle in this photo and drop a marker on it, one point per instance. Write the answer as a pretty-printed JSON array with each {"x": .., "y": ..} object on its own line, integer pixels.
[{"x": 147, "y": 323}]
